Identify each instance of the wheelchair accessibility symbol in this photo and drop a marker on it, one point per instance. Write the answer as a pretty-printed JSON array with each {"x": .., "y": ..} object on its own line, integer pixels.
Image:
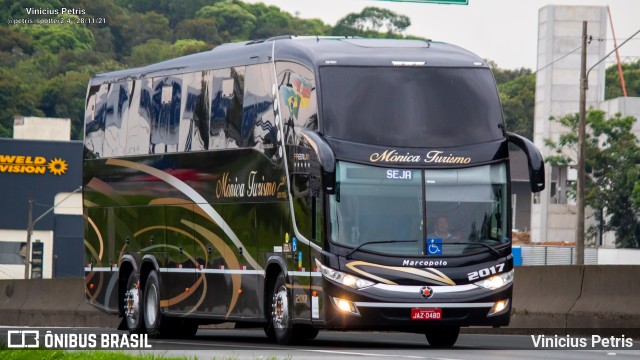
[{"x": 434, "y": 246}]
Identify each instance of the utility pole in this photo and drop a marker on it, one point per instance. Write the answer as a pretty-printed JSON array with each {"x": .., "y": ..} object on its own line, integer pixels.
[
  {"x": 27, "y": 255},
  {"x": 581, "y": 134}
]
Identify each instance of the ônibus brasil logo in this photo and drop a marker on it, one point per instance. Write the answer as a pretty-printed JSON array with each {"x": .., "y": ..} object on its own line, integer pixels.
[{"x": 38, "y": 165}]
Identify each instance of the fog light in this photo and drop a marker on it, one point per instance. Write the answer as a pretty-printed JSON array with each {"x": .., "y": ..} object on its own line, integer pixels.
[
  {"x": 499, "y": 307},
  {"x": 346, "y": 306}
]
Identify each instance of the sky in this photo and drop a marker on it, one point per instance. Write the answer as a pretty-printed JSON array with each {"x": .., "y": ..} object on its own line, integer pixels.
[{"x": 505, "y": 31}]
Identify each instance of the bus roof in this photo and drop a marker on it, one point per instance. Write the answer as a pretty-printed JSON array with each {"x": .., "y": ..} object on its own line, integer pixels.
[{"x": 312, "y": 51}]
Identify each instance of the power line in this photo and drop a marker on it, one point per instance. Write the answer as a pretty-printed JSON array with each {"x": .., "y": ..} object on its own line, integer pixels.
[{"x": 558, "y": 59}]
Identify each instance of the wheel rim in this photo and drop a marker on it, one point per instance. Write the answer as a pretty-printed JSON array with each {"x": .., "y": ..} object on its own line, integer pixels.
[
  {"x": 152, "y": 304},
  {"x": 280, "y": 309},
  {"x": 132, "y": 305}
]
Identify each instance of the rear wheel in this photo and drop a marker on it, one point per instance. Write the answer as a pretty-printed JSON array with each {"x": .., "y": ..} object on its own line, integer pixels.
[
  {"x": 133, "y": 307},
  {"x": 155, "y": 323},
  {"x": 443, "y": 337}
]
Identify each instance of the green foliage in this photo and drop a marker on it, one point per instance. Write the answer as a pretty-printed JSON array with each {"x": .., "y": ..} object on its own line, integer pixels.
[
  {"x": 11, "y": 9},
  {"x": 372, "y": 20},
  {"x": 518, "y": 102},
  {"x": 505, "y": 75},
  {"x": 612, "y": 153},
  {"x": 150, "y": 52},
  {"x": 175, "y": 11},
  {"x": 57, "y": 37},
  {"x": 188, "y": 46},
  {"x": 29, "y": 354},
  {"x": 613, "y": 87},
  {"x": 205, "y": 29},
  {"x": 234, "y": 22}
]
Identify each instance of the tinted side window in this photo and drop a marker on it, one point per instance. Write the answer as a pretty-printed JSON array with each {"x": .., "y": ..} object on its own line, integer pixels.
[
  {"x": 297, "y": 89},
  {"x": 95, "y": 117},
  {"x": 194, "y": 123},
  {"x": 167, "y": 93},
  {"x": 139, "y": 117},
  {"x": 226, "y": 108},
  {"x": 115, "y": 123},
  {"x": 258, "y": 123}
]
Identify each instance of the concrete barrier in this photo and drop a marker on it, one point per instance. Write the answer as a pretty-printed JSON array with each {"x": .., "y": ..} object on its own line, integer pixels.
[
  {"x": 544, "y": 295},
  {"x": 57, "y": 302},
  {"x": 610, "y": 298}
]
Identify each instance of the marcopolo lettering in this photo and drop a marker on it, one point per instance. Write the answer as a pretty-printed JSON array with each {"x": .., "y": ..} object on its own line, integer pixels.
[{"x": 424, "y": 263}]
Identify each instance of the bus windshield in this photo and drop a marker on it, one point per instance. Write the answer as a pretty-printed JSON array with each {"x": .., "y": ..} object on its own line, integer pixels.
[
  {"x": 410, "y": 106},
  {"x": 379, "y": 204}
]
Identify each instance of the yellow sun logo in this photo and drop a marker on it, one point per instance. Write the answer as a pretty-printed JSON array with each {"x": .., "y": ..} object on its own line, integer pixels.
[{"x": 57, "y": 166}]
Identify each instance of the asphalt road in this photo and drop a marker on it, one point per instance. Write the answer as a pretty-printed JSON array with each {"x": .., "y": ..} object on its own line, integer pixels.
[{"x": 253, "y": 344}]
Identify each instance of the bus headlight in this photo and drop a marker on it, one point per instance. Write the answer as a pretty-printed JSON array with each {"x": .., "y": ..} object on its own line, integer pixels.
[
  {"x": 342, "y": 278},
  {"x": 496, "y": 281}
]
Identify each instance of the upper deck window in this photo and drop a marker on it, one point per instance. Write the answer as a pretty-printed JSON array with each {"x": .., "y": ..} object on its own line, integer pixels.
[{"x": 410, "y": 106}]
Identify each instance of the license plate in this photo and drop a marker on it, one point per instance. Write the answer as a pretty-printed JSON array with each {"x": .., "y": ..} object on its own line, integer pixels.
[{"x": 426, "y": 314}]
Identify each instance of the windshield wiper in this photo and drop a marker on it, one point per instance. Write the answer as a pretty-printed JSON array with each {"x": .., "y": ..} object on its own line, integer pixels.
[
  {"x": 473, "y": 243},
  {"x": 376, "y": 242}
]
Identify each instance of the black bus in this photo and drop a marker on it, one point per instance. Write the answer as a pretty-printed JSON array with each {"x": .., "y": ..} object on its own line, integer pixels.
[{"x": 298, "y": 184}]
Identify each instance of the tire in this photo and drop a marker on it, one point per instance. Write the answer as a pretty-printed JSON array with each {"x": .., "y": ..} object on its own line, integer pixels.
[
  {"x": 444, "y": 337},
  {"x": 158, "y": 325},
  {"x": 154, "y": 322},
  {"x": 133, "y": 306},
  {"x": 280, "y": 326}
]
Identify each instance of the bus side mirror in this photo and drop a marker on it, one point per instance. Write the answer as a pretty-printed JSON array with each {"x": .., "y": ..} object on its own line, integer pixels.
[
  {"x": 534, "y": 157},
  {"x": 329, "y": 182},
  {"x": 325, "y": 158}
]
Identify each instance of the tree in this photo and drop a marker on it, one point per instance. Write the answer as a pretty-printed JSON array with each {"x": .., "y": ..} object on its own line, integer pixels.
[
  {"x": 199, "y": 29},
  {"x": 57, "y": 37},
  {"x": 64, "y": 98},
  {"x": 152, "y": 51},
  {"x": 16, "y": 99},
  {"x": 612, "y": 153},
  {"x": 518, "y": 102},
  {"x": 234, "y": 22},
  {"x": 175, "y": 11},
  {"x": 188, "y": 46},
  {"x": 613, "y": 87},
  {"x": 372, "y": 20}
]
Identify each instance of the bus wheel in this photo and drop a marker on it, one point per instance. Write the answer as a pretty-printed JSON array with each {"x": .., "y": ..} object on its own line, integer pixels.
[
  {"x": 156, "y": 324},
  {"x": 133, "y": 305},
  {"x": 280, "y": 320},
  {"x": 443, "y": 337}
]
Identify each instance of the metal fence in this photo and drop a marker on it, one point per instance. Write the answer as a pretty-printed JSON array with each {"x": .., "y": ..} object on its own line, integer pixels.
[{"x": 556, "y": 255}]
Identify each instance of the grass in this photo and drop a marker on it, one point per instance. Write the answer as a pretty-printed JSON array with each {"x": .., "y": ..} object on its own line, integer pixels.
[
  {"x": 43, "y": 354},
  {"x": 6, "y": 354}
]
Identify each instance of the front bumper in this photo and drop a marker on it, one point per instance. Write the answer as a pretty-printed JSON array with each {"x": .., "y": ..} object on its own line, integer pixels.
[{"x": 388, "y": 307}]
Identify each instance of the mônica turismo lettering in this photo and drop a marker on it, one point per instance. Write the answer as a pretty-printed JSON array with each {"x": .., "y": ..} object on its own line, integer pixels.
[
  {"x": 255, "y": 186},
  {"x": 434, "y": 156}
]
